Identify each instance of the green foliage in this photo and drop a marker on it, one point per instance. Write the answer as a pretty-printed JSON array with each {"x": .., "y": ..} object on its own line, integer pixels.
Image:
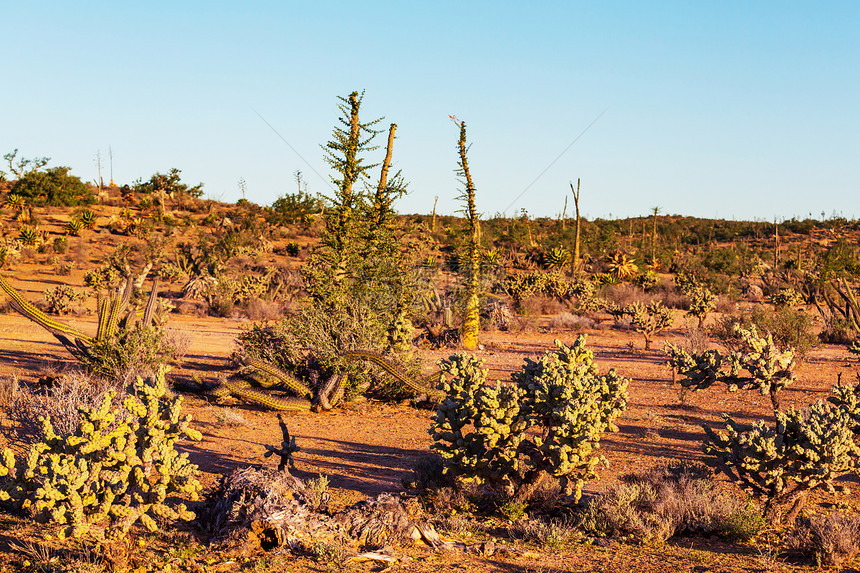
[
  {"x": 61, "y": 245},
  {"x": 780, "y": 464},
  {"x": 169, "y": 184},
  {"x": 117, "y": 467},
  {"x": 137, "y": 349},
  {"x": 360, "y": 285},
  {"x": 790, "y": 328},
  {"x": 55, "y": 187},
  {"x": 769, "y": 369},
  {"x": 292, "y": 207},
  {"x": 482, "y": 431}
]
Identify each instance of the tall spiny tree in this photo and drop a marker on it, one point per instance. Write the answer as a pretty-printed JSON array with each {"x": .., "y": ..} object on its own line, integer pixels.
[
  {"x": 471, "y": 319},
  {"x": 344, "y": 154}
]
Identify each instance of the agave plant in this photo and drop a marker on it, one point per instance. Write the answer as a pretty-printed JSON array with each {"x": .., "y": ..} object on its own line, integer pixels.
[
  {"x": 429, "y": 262},
  {"x": 74, "y": 228},
  {"x": 87, "y": 219},
  {"x": 556, "y": 258},
  {"x": 621, "y": 266},
  {"x": 491, "y": 257},
  {"x": 15, "y": 202},
  {"x": 28, "y": 236}
]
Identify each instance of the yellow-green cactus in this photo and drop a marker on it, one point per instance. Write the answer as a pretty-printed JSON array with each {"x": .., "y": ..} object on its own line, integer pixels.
[
  {"x": 482, "y": 431},
  {"x": 805, "y": 450},
  {"x": 120, "y": 471},
  {"x": 769, "y": 368}
]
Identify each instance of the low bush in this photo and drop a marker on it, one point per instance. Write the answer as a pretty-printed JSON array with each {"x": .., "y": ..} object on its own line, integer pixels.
[
  {"x": 60, "y": 398},
  {"x": 790, "y": 328},
  {"x": 658, "y": 503},
  {"x": 832, "y": 540}
]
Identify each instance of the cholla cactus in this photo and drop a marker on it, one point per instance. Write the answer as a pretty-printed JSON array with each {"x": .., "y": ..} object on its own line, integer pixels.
[
  {"x": 769, "y": 368},
  {"x": 482, "y": 430},
  {"x": 286, "y": 450},
  {"x": 114, "y": 467},
  {"x": 702, "y": 301},
  {"x": 806, "y": 450},
  {"x": 786, "y": 297},
  {"x": 646, "y": 281},
  {"x": 648, "y": 319}
]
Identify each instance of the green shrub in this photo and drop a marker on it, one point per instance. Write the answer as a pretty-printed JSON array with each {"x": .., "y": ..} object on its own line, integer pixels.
[
  {"x": 55, "y": 187},
  {"x": 61, "y": 245},
  {"x": 790, "y": 328},
  {"x": 483, "y": 433},
  {"x": 743, "y": 524}
]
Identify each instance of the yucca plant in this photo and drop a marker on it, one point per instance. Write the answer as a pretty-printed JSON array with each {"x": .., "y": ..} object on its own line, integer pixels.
[
  {"x": 28, "y": 236},
  {"x": 74, "y": 228},
  {"x": 491, "y": 257}
]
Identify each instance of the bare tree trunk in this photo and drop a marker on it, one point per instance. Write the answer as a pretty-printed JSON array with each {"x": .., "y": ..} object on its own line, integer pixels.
[
  {"x": 380, "y": 200},
  {"x": 576, "y": 260}
]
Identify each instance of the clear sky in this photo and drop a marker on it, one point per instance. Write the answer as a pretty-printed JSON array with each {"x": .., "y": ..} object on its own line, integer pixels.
[{"x": 733, "y": 109}]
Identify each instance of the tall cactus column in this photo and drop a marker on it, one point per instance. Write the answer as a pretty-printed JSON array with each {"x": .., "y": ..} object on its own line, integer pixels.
[{"x": 471, "y": 319}]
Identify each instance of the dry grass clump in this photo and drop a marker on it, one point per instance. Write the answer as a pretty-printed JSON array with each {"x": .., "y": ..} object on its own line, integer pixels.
[
  {"x": 551, "y": 534},
  {"x": 658, "y": 503},
  {"x": 624, "y": 294},
  {"x": 60, "y": 398},
  {"x": 570, "y": 321},
  {"x": 832, "y": 540}
]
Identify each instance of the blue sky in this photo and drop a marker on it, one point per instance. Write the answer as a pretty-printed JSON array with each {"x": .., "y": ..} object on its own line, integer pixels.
[{"x": 728, "y": 109}]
